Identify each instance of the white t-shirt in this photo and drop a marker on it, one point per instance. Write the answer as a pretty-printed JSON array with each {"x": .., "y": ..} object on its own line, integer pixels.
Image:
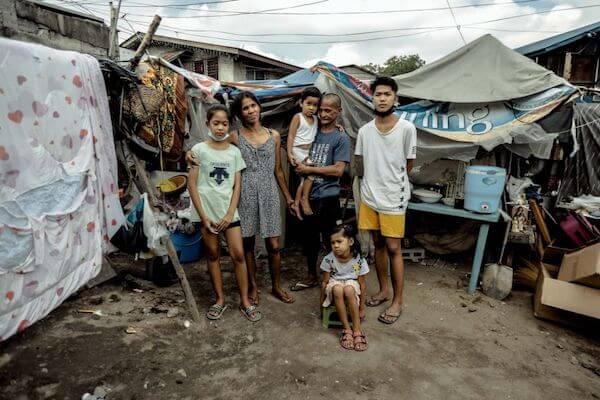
[
  {"x": 385, "y": 187},
  {"x": 352, "y": 269}
]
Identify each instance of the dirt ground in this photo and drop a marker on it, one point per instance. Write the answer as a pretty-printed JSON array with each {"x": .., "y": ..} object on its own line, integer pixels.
[{"x": 447, "y": 345}]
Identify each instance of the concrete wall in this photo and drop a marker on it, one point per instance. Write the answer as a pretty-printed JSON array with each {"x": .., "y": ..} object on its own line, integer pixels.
[
  {"x": 226, "y": 68},
  {"x": 30, "y": 22},
  {"x": 239, "y": 71}
]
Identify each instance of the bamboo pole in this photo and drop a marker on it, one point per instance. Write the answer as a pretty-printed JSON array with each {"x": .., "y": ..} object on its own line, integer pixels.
[
  {"x": 145, "y": 42},
  {"x": 185, "y": 285}
]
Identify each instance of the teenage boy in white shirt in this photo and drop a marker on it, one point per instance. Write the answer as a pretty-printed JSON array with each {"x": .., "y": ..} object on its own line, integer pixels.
[{"x": 386, "y": 147}]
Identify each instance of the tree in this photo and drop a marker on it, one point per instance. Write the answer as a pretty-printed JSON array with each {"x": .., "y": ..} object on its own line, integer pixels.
[{"x": 397, "y": 65}]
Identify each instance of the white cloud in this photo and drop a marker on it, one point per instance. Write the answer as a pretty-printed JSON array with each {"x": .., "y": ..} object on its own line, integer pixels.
[{"x": 430, "y": 45}]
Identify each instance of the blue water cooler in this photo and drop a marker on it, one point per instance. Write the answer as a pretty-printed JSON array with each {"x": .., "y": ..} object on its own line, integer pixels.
[{"x": 483, "y": 188}]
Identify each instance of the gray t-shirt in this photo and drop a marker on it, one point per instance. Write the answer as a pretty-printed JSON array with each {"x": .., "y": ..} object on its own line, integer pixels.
[
  {"x": 357, "y": 266},
  {"x": 327, "y": 149}
]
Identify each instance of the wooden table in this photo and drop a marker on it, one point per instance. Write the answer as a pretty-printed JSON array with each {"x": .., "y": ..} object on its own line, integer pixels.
[{"x": 486, "y": 219}]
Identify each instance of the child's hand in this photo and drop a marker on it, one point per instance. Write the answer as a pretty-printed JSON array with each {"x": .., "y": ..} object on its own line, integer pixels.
[
  {"x": 340, "y": 128},
  {"x": 362, "y": 313},
  {"x": 210, "y": 226},
  {"x": 292, "y": 160},
  {"x": 224, "y": 223}
]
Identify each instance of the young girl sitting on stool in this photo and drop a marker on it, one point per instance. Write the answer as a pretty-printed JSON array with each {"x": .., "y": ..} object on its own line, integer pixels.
[{"x": 344, "y": 271}]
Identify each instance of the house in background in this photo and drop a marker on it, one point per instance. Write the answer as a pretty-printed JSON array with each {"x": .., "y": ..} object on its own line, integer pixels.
[
  {"x": 359, "y": 72},
  {"x": 220, "y": 62},
  {"x": 574, "y": 55},
  {"x": 53, "y": 26}
]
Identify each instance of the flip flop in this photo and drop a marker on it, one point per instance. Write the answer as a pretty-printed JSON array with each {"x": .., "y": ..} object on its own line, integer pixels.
[
  {"x": 298, "y": 286},
  {"x": 387, "y": 318},
  {"x": 215, "y": 311},
  {"x": 287, "y": 299},
  {"x": 371, "y": 302},
  {"x": 251, "y": 313}
]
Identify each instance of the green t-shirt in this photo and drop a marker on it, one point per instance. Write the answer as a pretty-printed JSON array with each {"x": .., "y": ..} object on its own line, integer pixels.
[{"x": 216, "y": 177}]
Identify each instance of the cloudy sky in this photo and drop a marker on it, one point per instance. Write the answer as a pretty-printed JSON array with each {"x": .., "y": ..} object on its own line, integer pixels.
[{"x": 341, "y": 32}]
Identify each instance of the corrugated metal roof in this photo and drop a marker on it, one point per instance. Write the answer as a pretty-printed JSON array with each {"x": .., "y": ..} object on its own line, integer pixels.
[
  {"x": 554, "y": 42},
  {"x": 134, "y": 40}
]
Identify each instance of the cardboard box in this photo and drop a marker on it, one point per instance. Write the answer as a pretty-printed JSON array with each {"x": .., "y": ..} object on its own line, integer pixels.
[
  {"x": 565, "y": 302},
  {"x": 582, "y": 266}
]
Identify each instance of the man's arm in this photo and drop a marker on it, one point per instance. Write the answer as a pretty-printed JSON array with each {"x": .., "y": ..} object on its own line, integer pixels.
[
  {"x": 359, "y": 166},
  {"x": 409, "y": 165},
  {"x": 335, "y": 170}
]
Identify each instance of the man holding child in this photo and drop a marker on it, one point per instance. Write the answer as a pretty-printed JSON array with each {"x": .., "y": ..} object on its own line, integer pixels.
[{"x": 329, "y": 155}]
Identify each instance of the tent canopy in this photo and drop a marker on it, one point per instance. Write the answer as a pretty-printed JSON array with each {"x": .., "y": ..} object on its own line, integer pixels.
[{"x": 482, "y": 71}]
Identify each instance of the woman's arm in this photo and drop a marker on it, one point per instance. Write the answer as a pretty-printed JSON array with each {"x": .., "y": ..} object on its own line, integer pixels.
[
  {"x": 279, "y": 171},
  {"x": 291, "y": 136},
  {"x": 234, "y": 137},
  {"x": 363, "y": 295},
  {"x": 324, "y": 281},
  {"x": 233, "y": 204},
  {"x": 195, "y": 197}
]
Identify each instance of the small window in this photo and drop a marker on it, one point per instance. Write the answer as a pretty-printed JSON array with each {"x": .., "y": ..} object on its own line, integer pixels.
[
  {"x": 260, "y": 75},
  {"x": 212, "y": 68},
  {"x": 583, "y": 68},
  {"x": 250, "y": 74},
  {"x": 199, "y": 67}
]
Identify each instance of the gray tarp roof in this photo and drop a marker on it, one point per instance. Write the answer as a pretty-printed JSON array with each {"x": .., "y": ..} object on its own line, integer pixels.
[{"x": 482, "y": 71}]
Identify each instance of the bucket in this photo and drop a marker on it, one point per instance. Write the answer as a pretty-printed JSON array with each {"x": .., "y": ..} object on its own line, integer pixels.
[
  {"x": 188, "y": 245},
  {"x": 483, "y": 188}
]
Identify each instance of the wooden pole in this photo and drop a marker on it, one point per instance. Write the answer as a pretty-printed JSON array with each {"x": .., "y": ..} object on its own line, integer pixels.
[
  {"x": 113, "y": 50},
  {"x": 145, "y": 42},
  {"x": 185, "y": 285},
  {"x": 111, "y": 41}
]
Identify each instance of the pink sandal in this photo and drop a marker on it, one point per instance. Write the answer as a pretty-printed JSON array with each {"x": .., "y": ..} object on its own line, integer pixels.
[
  {"x": 347, "y": 340},
  {"x": 360, "y": 341}
]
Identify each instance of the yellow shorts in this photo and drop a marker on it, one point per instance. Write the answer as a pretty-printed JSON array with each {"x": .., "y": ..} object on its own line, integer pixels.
[{"x": 390, "y": 225}]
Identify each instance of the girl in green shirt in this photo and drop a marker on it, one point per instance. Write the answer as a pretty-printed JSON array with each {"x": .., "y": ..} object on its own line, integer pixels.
[{"x": 214, "y": 187}]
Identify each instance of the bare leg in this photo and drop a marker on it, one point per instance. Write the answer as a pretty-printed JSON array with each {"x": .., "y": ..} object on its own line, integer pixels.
[
  {"x": 273, "y": 249},
  {"x": 340, "y": 305},
  {"x": 393, "y": 246},
  {"x": 236, "y": 251},
  {"x": 251, "y": 265},
  {"x": 350, "y": 295},
  {"x": 297, "y": 199},
  {"x": 381, "y": 265},
  {"x": 213, "y": 250},
  {"x": 306, "y": 188}
]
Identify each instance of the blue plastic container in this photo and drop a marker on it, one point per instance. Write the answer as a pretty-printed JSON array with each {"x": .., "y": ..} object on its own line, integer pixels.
[
  {"x": 188, "y": 246},
  {"x": 483, "y": 188}
]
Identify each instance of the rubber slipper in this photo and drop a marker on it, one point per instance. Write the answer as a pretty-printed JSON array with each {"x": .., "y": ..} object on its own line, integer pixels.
[
  {"x": 251, "y": 313},
  {"x": 298, "y": 286},
  {"x": 387, "y": 318},
  {"x": 215, "y": 311},
  {"x": 284, "y": 299},
  {"x": 371, "y": 302}
]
